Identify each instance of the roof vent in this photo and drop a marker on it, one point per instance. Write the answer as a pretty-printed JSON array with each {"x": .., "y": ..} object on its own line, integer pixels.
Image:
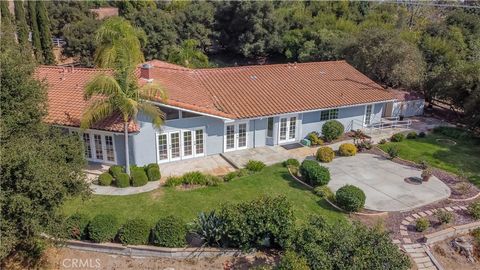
[
  {"x": 145, "y": 71},
  {"x": 323, "y": 72},
  {"x": 253, "y": 77}
]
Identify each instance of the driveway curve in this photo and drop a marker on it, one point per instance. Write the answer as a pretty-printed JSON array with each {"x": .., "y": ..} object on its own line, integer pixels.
[{"x": 383, "y": 182}]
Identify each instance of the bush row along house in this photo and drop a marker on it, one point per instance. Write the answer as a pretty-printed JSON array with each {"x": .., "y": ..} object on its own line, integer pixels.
[{"x": 216, "y": 110}]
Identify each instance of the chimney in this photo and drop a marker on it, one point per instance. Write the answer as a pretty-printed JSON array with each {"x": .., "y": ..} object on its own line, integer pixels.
[{"x": 145, "y": 72}]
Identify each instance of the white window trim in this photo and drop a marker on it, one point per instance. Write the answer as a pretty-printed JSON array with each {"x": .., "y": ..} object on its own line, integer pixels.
[
  {"x": 182, "y": 154},
  {"x": 297, "y": 130},
  {"x": 365, "y": 113},
  {"x": 236, "y": 127},
  {"x": 92, "y": 144}
]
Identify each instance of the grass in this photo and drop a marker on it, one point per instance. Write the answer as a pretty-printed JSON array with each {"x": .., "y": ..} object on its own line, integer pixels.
[
  {"x": 462, "y": 158},
  {"x": 273, "y": 180}
]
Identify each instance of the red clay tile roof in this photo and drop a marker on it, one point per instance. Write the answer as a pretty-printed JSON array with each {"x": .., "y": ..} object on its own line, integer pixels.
[
  {"x": 234, "y": 92},
  {"x": 402, "y": 95},
  {"x": 65, "y": 97}
]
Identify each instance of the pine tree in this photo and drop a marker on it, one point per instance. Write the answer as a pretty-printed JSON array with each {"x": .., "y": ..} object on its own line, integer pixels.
[
  {"x": 22, "y": 27},
  {"x": 45, "y": 34},
  {"x": 36, "y": 43}
]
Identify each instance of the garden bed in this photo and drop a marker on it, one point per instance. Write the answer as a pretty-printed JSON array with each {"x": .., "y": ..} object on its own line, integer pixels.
[
  {"x": 451, "y": 259},
  {"x": 460, "y": 189}
]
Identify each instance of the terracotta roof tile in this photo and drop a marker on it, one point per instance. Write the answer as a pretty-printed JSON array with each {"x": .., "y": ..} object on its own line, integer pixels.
[{"x": 234, "y": 92}]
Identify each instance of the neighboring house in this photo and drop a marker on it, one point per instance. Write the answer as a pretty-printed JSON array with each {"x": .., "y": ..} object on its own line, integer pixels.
[{"x": 211, "y": 111}]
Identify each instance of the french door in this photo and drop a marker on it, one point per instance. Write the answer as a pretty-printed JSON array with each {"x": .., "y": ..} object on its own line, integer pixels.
[
  {"x": 368, "y": 115},
  {"x": 287, "y": 129},
  {"x": 236, "y": 136},
  {"x": 180, "y": 144},
  {"x": 98, "y": 147}
]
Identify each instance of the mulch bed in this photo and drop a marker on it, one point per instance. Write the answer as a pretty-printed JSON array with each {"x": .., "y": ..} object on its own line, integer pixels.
[{"x": 460, "y": 188}]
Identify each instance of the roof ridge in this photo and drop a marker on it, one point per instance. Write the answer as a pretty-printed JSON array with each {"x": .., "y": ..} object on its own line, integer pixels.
[{"x": 75, "y": 68}]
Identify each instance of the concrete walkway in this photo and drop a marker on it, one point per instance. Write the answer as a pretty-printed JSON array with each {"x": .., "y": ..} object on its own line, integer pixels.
[
  {"x": 115, "y": 191},
  {"x": 383, "y": 182}
]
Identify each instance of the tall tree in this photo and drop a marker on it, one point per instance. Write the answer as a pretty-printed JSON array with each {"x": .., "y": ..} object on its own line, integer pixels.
[
  {"x": 5, "y": 12},
  {"x": 80, "y": 40},
  {"x": 189, "y": 55},
  {"x": 119, "y": 48},
  {"x": 36, "y": 42},
  {"x": 45, "y": 34},
  {"x": 39, "y": 167},
  {"x": 22, "y": 26}
]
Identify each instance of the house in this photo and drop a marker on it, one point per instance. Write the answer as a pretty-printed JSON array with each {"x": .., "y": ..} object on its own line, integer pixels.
[{"x": 216, "y": 110}]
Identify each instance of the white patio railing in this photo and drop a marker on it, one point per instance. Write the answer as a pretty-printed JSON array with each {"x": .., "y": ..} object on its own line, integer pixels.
[{"x": 381, "y": 125}]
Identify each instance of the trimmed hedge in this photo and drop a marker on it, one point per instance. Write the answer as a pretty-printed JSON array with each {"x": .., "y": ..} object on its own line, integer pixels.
[
  {"x": 314, "y": 174},
  {"x": 324, "y": 192},
  {"x": 397, "y": 137},
  {"x": 153, "y": 172},
  {"x": 170, "y": 232},
  {"x": 332, "y": 129},
  {"x": 255, "y": 165},
  {"x": 105, "y": 179},
  {"x": 325, "y": 154},
  {"x": 134, "y": 232},
  {"x": 115, "y": 170},
  {"x": 291, "y": 162},
  {"x": 122, "y": 180},
  {"x": 102, "y": 228},
  {"x": 350, "y": 198},
  {"x": 347, "y": 149},
  {"x": 138, "y": 177},
  {"x": 76, "y": 226}
]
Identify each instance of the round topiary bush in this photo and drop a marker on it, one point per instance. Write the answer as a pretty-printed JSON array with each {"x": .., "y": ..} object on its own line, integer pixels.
[
  {"x": 347, "y": 149},
  {"x": 332, "y": 130},
  {"x": 350, "y": 198},
  {"x": 397, "y": 137},
  {"x": 105, "y": 179},
  {"x": 325, "y": 154},
  {"x": 115, "y": 170},
  {"x": 291, "y": 162},
  {"x": 76, "y": 226},
  {"x": 170, "y": 232},
  {"x": 139, "y": 177},
  {"x": 153, "y": 172},
  {"x": 314, "y": 174},
  {"x": 134, "y": 232},
  {"x": 122, "y": 180},
  {"x": 102, "y": 228},
  {"x": 324, "y": 192}
]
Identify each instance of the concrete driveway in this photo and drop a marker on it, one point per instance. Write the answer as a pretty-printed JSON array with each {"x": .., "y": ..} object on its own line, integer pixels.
[{"x": 383, "y": 182}]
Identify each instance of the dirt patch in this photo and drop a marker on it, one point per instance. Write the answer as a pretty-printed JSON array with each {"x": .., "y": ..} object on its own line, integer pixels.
[
  {"x": 62, "y": 258},
  {"x": 189, "y": 187},
  {"x": 450, "y": 259}
]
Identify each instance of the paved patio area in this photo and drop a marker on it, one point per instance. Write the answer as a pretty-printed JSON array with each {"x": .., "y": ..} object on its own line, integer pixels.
[
  {"x": 213, "y": 164},
  {"x": 383, "y": 182}
]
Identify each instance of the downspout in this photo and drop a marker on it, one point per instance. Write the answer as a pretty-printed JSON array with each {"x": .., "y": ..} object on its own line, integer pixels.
[{"x": 254, "y": 131}]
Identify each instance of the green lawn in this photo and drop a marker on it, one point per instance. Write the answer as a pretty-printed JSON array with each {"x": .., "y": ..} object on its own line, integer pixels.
[
  {"x": 464, "y": 157},
  {"x": 273, "y": 180}
]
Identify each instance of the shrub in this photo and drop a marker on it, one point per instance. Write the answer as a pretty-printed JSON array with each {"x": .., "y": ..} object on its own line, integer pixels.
[
  {"x": 324, "y": 192},
  {"x": 453, "y": 132},
  {"x": 382, "y": 141},
  {"x": 153, "y": 172},
  {"x": 350, "y": 198},
  {"x": 412, "y": 135},
  {"x": 170, "y": 232},
  {"x": 194, "y": 178},
  {"x": 243, "y": 172},
  {"x": 314, "y": 138},
  {"x": 102, "y": 228},
  {"x": 267, "y": 221},
  {"x": 392, "y": 152},
  {"x": 291, "y": 162},
  {"x": 347, "y": 149},
  {"x": 444, "y": 217},
  {"x": 474, "y": 209},
  {"x": 325, "y": 154},
  {"x": 210, "y": 228},
  {"x": 122, "y": 180},
  {"x": 115, "y": 170},
  {"x": 422, "y": 224},
  {"x": 332, "y": 130},
  {"x": 397, "y": 137},
  {"x": 230, "y": 176},
  {"x": 314, "y": 174},
  {"x": 105, "y": 179},
  {"x": 476, "y": 235},
  {"x": 422, "y": 135},
  {"x": 212, "y": 180},
  {"x": 173, "y": 181},
  {"x": 76, "y": 226},
  {"x": 134, "y": 232},
  {"x": 292, "y": 261},
  {"x": 255, "y": 165},
  {"x": 139, "y": 177}
]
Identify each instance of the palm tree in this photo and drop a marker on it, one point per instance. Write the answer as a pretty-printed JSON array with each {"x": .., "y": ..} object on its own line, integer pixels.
[{"x": 119, "y": 94}]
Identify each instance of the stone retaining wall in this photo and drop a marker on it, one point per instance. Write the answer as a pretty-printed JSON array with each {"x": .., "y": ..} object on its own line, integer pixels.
[
  {"x": 450, "y": 232},
  {"x": 152, "y": 251}
]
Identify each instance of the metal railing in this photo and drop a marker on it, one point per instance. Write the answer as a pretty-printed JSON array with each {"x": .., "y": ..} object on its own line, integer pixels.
[{"x": 381, "y": 125}]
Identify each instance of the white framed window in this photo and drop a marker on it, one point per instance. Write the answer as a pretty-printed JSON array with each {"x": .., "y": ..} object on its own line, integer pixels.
[
  {"x": 98, "y": 146},
  {"x": 329, "y": 114},
  {"x": 235, "y": 136},
  {"x": 180, "y": 144}
]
